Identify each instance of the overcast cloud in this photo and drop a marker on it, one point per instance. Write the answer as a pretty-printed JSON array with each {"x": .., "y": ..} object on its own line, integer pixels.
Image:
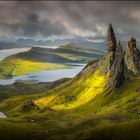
[{"x": 59, "y": 20}]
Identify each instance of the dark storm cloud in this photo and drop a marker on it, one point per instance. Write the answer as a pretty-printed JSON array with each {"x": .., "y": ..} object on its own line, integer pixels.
[
  {"x": 79, "y": 19},
  {"x": 32, "y": 26},
  {"x": 23, "y": 19}
]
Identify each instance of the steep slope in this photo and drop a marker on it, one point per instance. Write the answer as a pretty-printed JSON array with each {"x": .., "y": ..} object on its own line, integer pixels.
[
  {"x": 108, "y": 73},
  {"x": 71, "y": 95},
  {"x": 101, "y": 102},
  {"x": 97, "y": 79}
]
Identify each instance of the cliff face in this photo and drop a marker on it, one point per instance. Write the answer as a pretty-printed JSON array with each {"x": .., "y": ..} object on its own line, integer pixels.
[
  {"x": 132, "y": 57},
  {"x": 116, "y": 77},
  {"x": 117, "y": 63}
]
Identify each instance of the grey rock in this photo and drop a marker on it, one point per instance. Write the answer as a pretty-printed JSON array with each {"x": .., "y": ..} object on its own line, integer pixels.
[
  {"x": 111, "y": 39},
  {"x": 132, "y": 57},
  {"x": 117, "y": 70},
  {"x": 113, "y": 63}
]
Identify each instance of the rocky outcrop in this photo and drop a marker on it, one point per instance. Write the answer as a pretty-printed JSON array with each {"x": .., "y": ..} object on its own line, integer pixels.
[
  {"x": 132, "y": 57},
  {"x": 119, "y": 64},
  {"x": 28, "y": 106},
  {"x": 111, "y": 39},
  {"x": 116, "y": 76},
  {"x": 114, "y": 60},
  {"x": 106, "y": 64},
  {"x": 111, "y": 46}
]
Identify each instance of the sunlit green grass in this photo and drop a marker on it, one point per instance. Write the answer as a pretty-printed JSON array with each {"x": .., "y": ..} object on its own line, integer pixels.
[
  {"x": 111, "y": 114},
  {"x": 14, "y": 67},
  {"x": 73, "y": 96}
]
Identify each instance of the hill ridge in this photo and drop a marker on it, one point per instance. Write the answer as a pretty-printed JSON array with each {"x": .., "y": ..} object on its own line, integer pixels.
[
  {"x": 101, "y": 102},
  {"x": 108, "y": 73}
]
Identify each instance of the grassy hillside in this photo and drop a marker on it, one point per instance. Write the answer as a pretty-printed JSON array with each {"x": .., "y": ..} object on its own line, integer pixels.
[
  {"x": 38, "y": 59},
  {"x": 14, "y": 66},
  {"x": 64, "y": 54},
  {"x": 81, "y": 48},
  {"x": 101, "y": 102},
  {"x": 74, "y": 95},
  {"x": 26, "y": 88},
  {"x": 77, "y": 109}
]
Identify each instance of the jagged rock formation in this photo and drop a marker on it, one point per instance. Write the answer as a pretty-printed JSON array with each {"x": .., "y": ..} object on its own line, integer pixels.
[
  {"x": 106, "y": 64},
  {"x": 132, "y": 57},
  {"x": 117, "y": 64},
  {"x": 111, "y": 45},
  {"x": 111, "y": 39},
  {"x": 117, "y": 70}
]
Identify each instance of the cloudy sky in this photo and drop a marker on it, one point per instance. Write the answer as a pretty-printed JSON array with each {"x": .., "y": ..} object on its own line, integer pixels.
[{"x": 50, "y": 20}]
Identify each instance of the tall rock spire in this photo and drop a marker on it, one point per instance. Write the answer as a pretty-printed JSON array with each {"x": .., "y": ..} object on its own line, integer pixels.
[
  {"x": 111, "y": 39},
  {"x": 132, "y": 57},
  {"x": 114, "y": 60},
  {"x": 118, "y": 64},
  {"x": 111, "y": 47}
]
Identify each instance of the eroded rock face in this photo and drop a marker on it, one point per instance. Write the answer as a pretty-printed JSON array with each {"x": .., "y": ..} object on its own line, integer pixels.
[
  {"x": 113, "y": 63},
  {"x": 120, "y": 65},
  {"x": 111, "y": 39},
  {"x": 111, "y": 46},
  {"x": 132, "y": 57},
  {"x": 116, "y": 77},
  {"x": 106, "y": 64}
]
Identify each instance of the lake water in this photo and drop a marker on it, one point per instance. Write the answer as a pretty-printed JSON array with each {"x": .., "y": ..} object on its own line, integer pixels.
[
  {"x": 46, "y": 75},
  {"x": 41, "y": 76}
]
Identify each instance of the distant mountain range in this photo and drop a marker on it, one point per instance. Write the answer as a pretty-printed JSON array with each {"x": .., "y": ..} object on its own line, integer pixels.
[
  {"x": 22, "y": 43},
  {"x": 89, "y": 43},
  {"x": 57, "y": 43},
  {"x": 11, "y": 45}
]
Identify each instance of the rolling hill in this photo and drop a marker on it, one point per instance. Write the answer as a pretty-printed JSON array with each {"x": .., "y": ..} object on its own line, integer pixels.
[
  {"x": 37, "y": 59},
  {"x": 101, "y": 102}
]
